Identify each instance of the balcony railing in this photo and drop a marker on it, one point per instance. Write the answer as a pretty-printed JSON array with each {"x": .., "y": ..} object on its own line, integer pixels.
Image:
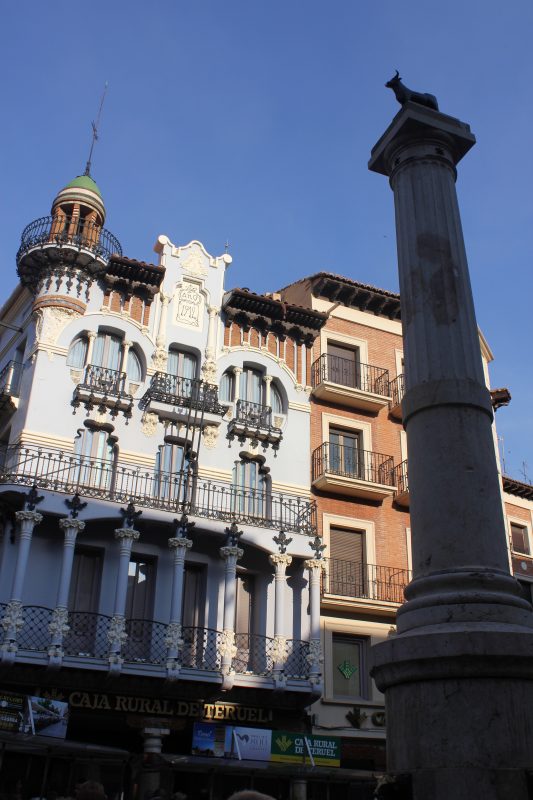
[
  {"x": 102, "y": 379},
  {"x": 124, "y": 482},
  {"x": 401, "y": 477},
  {"x": 255, "y": 415},
  {"x": 10, "y": 379},
  {"x": 397, "y": 391},
  {"x": 364, "y": 581},
  {"x": 254, "y": 421},
  {"x": 347, "y": 372},
  {"x": 145, "y": 643},
  {"x": 350, "y": 462},
  {"x": 176, "y": 390},
  {"x": 70, "y": 231}
]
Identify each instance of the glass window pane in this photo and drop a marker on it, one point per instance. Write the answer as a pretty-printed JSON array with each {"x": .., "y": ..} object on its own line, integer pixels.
[
  {"x": 226, "y": 387},
  {"x": 134, "y": 367},
  {"x": 77, "y": 353},
  {"x": 347, "y": 666},
  {"x": 275, "y": 400}
]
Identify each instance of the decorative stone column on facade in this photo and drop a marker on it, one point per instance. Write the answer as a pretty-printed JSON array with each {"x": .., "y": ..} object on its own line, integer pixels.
[
  {"x": 173, "y": 639},
  {"x": 116, "y": 634},
  {"x": 280, "y": 562},
  {"x": 58, "y": 626},
  {"x": 13, "y": 619},
  {"x": 160, "y": 355},
  {"x": 315, "y": 657},
  {"x": 457, "y": 675},
  {"x": 124, "y": 360},
  {"x": 209, "y": 367},
  {"x": 91, "y": 336},
  {"x": 150, "y": 778},
  {"x": 227, "y": 649},
  {"x": 237, "y": 372},
  {"x": 268, "y": 380}
]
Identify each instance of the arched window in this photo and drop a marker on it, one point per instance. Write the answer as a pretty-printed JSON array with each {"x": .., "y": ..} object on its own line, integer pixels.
[
  {"x": 227, "y": 387},
  {"x": 134, "y": 368},
  {"x": 251, "y": 486},
  {"x": 77, "y": 353},
  {"x": 276, "y": 401}
]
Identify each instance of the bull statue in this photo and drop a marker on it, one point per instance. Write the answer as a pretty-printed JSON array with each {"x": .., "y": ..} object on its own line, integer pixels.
[{"x": 405, "y": 95}]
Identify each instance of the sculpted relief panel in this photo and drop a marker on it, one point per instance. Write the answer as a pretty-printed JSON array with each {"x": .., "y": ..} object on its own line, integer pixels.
[{"x": 189, "y": 304}]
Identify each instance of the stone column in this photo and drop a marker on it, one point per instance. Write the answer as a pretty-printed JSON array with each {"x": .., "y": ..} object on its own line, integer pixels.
[
  {"x": 315, "y": 657},
  {"x": 150, "y": 781},
  {"x": 91, "y": 336},
  {"x": 162, "y": 327},
  {"x": 280, "y": 562},
  {"x": 116, "y": 634},
  {"x": 237, "y": 371},
  {"x": 58, "y": 626},
  {"x": 457, "y": 676},
  {"x": 124, "y": 360},
  {"x": 268, "y": 380},
  {"x": 13, "y": 619},
  {"x": 227, "y": 649},
  {"x": 173, "y": 639},
  {"x": 209, "y": 367}
]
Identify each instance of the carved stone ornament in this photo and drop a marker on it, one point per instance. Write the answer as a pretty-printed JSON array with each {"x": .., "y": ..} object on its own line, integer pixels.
[
  {"x": 190, "y": 306},
  {"x": 194, "y": 263},
  {"x": 280, "y": 560},
  {"x": 50, "y": 322},
  {"x": 149, "y": 423},
  {"x": 315, "y": 657},
  {"x": 231, "y": 551},
  {"x": 29, "y": 516},
  {"x": 75, "y": 376},
  {"x": 178, "y": 542},
  {"x": 58, "y": 625},
  {"x": 314, "y": 563},
  {"x": 68, "y": 524},
  {"x": 159, "y": 359},
  {"x": 278, "y": 422},
  {"x": 227, "y": 647},
  {"x": 13, "y": 618},
  {"x": 279, "y": 649},
  {"x": 116, "y": 634},
  {"x": 211, "y": 433},
  {"x": 173, "y": 636},
  {"x": 209, "y": 371}
]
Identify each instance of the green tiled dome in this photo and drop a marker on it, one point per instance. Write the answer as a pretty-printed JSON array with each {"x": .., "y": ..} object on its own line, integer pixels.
[{"x": 84, "y": 182}]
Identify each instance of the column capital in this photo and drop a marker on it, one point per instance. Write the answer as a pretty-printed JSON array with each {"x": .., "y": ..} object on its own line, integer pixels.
[
  {"x": 231, "y": 551},
  {"x": 267, "y": 378},
  {"x": 213, "y": 310},
  {"x": 165, "y": 298},
  {"x": 67, "y": 523},
  {"x": 127, "y": 344},
  {"x": 179, "y": 542},
  {"x": 29, "y": 516},
  {"x": 91, "y": 334},
  {"x": 280, "y": 560},
  {"x": 126, "y": 534},
  {"x": 237, "y": 370},
  {"x": 313, "y": 564}
]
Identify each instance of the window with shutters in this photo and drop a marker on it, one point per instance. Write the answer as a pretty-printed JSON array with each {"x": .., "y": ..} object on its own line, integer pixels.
[
  {"x": 346, "y": 453},
  {"x": 348, "y": 656},
  {"x": 520, "y": 538},
  {"x": 346, "y": 566},
  {"x": 343, "y": 365}
]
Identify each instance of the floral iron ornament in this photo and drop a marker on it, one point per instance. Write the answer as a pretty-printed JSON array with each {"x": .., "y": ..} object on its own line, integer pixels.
[
  {"x": 316, "y": 545},
  {"x": 32, "y": 498},
  {"x": 234, "y": 534},
  {"x": 75, "y": 505},
  {"x": 130, "y": 515},
  {"x": 282, "y": 541},
  {"x": 182, "y": 526}
]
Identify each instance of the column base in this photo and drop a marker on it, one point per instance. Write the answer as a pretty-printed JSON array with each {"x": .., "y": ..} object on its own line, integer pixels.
[{"x": 459, "y": 784}]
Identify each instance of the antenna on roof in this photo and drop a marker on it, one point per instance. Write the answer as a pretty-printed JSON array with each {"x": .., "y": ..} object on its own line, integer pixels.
[{"x": 95, "y": 132}]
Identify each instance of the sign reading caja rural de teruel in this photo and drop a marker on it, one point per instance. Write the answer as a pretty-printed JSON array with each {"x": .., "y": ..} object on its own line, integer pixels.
[{"x": 293, "y": 748}]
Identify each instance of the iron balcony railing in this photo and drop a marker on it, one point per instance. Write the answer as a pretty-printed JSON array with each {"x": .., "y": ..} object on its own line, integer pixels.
[
  {"x": 364, "y": 581},
  {"x": 124, "y": 482},
  {"x": 87, "y": 638},
  {"x": 10, "y": 379},
  {"x": 401, "y": 477},
  {"x": 254, "y": 415},
  {"x": 347, "y": 372},
  {"x": 103, "y": 379},
  {"x": 350, "y": 462},
  {"x": 177, "y": 390},
  {"x": 69, "y": 231},
  {"x": 397, "y": 390}
]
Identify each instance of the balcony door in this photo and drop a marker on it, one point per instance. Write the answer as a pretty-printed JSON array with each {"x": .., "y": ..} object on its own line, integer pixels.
[
  {"x": 86, "y": 635},
  {"x": 94, "y": 466},
  {"x": 344, "y": 366},
  {"x": 252, "y": 386},
  {"x": 139, "y": 608},
  {"x": 199, "y": 644},
  {"x": 251, "y": 490},
  {"x": 171, "y": 473},
  {"x": 346, "y": 453},
  {"x": 347, "y": 569},
  {"x": 249, "y": 655},
  {"x": 107, "y": 351}
]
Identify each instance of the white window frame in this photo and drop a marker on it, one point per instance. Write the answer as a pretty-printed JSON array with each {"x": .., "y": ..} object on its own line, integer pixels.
[
  {"x": 350, "y": 424},
  {"x": 350, "y": 523},
  {"x": 332, "y": 337},
  {"x": 523, "y": 524}
]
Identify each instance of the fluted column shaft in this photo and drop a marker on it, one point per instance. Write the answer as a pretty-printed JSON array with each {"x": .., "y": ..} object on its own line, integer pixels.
[
  {"x": 117, "y": 629},
  {"x": 211, "y": 331},
  {"x": 315, "y": 658},
  {"x": 179, "y": 546},
  {"x": 280, "y": 562},
  {"x": 59, "y": 623},
  {"x": 230, "y": 554}
]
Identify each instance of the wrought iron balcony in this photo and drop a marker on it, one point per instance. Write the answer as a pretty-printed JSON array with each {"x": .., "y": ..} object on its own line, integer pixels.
[
  {"x": 103, "y": 387},
  {"x": 364, "y": 581},
  {"x": 71, "y": 232},
  {"x": 123, "y": 482},
  {"x": 254, "y": 421},
  {"x": 175, "y": 390},
  {"x": 401, "y": 479},
  {"x": 351, "y": 471},
  {"x": 351, "y": 383},
  {"x": 145, "y": 644},
  {"x": 397, "y": 391}
]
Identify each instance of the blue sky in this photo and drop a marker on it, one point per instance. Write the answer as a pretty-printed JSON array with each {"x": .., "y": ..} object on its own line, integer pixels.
[{"x": 252, "y": 122}]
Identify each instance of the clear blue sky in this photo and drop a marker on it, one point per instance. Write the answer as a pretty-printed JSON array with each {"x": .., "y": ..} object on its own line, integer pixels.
[{"x": 253, "y": 120}]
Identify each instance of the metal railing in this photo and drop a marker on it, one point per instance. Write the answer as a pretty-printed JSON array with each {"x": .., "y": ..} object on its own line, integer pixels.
[
  {"x": 255, "y": 415},
  {"x": 401, "y": 477},
  {"x": 348, "y": 372},
  {"x": 365, "y": 581},
  {"x": 397, "y": 390},
  {"x": 350, "y": 462},
  {"x": 124, "y": 482},
  {"x": 70, "y": 231},
  {"x": 145, "y": 643},
  {"x": 10, "y": 379},
  {"x": 187, "y": 392},
  {"x": 103, "y": 379}
]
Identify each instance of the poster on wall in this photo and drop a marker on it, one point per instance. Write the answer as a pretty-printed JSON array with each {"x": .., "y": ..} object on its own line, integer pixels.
[
  {"x": 12, "y": 709},
  {"x": 20, "y": 713},
  {"x": 208, "y": 739},
  {"x": 251, "y": 744}
]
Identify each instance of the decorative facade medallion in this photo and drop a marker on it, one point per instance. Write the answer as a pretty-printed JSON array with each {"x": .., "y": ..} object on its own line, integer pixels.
[
  {"x": 227, "y": 647},
  {"x": 159, "y": 359},
  {"x": 211, "y": 436},
  {"x": 315, "y": 657},
  {"x": 279, "y": 649},
  {"x": 190, "y": 305},
  {"x": 149, "y": 423},
  {"x": 209, "y": 371},
  {"x": 50, "y": 321},
  {"x": 58, "y": 625},
  {"x": 194, "y": 263},
  {"x": 173, "y": 637},
  {"x": 116, "y": 634},
  {"x": 13, "y": 618}
]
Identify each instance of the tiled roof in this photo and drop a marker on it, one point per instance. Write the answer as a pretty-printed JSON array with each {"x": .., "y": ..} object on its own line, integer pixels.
[{"x": 519, "y": 489}]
